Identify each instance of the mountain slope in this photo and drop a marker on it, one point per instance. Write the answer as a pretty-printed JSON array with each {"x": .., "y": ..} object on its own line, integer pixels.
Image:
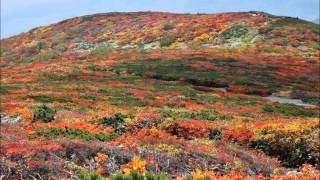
[
  {"x": 155, "y": 95},
  {"x": 147, "y": 30}
]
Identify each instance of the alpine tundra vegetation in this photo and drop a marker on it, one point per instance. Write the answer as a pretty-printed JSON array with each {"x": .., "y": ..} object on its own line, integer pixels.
[{"x": 153, "y": 95}]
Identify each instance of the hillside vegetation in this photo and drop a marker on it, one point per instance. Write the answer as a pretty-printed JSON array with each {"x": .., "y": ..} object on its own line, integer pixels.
[{"x": 154, "y": 95}]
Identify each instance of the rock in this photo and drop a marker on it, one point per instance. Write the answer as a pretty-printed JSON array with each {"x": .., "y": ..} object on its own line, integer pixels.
[
  {"x": 10, "y": 119},
  {"x": 292, "y": 173}
]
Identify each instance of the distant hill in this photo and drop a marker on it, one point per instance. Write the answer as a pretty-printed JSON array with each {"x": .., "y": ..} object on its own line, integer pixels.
[
  {"x": 82, "y": 36},
  {"x": 162, "y": 96},
  {"x": 317, "y": 21}
]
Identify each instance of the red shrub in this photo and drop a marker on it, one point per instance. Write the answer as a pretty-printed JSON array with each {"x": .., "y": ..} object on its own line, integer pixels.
[
  {"x": 242, "y": 135},
  {"x": 193, "y": 128}
]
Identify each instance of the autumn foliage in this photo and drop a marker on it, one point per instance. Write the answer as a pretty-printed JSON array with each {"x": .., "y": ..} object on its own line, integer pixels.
[{"x": 154, "y": 95}]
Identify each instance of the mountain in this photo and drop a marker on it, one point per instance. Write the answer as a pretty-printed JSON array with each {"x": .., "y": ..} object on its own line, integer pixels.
[
  {"x": 316, "y": 21},
  {"x": 153, "y": 95},
  {"x": 155, "y": 30}
]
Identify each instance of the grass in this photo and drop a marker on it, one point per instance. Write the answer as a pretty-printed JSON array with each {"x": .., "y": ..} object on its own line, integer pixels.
[
  {"x": 113, "y": 91},
  {"x": 288, "y": 21},
  {"x": 49, "y": 99},
  {"x": 202, "y": 115},
  {"x": 291, "y": 110},
  {"x": 77, "y": 134},
  {"x": 208, "y": 99},
  {"x": 6, "y": 89},
  {"x": 312, "y": 100},
  {"x": 90, "y": 98},
  {"x": 168, "y": 70},
  {"x": 126, "y": 102},
  {"x": 238, "y": 101},
  {"x": 251, "y": 76}
]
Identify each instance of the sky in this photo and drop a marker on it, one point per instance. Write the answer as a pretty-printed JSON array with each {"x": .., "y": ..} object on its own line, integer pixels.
[{"x": 19, "y": 16}]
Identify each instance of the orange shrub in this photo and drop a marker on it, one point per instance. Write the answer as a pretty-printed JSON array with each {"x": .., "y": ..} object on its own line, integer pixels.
[
  {"x": 192, "y": 128},
  {"x": 242, "y": 134}
]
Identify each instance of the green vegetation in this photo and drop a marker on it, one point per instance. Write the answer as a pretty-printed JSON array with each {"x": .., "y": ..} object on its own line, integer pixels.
[
  {"x": 126, "y": 102},
  {"x": 77, "y": 134},
  {"x": 43, "y": 113},
  {"x": 96, "y": 68},
  {"x": 291, "y": 110},
  {"x": 45, "y": 55},
  {"x": 289, "y": 21},
  {"x": 138, "y": 176},
  {"x": 167, "y": 40},
  {"x": 90, "y": 176},
  {"x": 90, "y": 98},
  {"x": 169, "y": 70},
  {"x": 168, "y": 27},
  {"x": 293, "y": 148},
  {"x": 42, "y": 98},
  {"x": 6, "y": 89},
  {"x": 102, "y": 50},
  {"x": 215, "y": 134},
  {"x": 312, "y": 100},
  {"x": 239, "y": 101},
  {"x": 118, "y": 122},
  {"x": 49, "y": 99},
  {"x": 113, "y": 91},
  {"x": 202, "y": 115},
  {"x": 3, "y": 90},
  {"x": 235, "y": 31}
]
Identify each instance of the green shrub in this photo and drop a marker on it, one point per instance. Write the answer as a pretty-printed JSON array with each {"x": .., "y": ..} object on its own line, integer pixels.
[
  {"x": 291, "y": 144},
  {"x": 168, "y": 27},
  {"x": 90, "y": 98},
  {"x": 96, "y": 68},
  {"x": 138, "y": 176},
  {"x": 42, "y": 45},
  {"x": 291, "y": 110},
  {"x": 45, "y": 55},
  {"x": 288, "y": 21},
  {"x": 3, "y": 90},
  {"x": 116, "y": 92},
  {"x": 234, "y": 32},
  {"x": 77, "y": 134},
  {"x": 215, "y": 134},
  {"x": 102, "y": 50},
  {"x": 43, "y": 113},
  {"x": 6, "y": 89},
  {"x": 90, "y": 176},
  {"x": 117, "y": 122},
  {"x": 170, "y": 70},
  {"x": 312, "y": 100},
  {"x": 42, "y": 98},
  {"x": 202, "y": 115},
  {"x": 268, "y": 108},
  {"x": 167, "y": 40},
  {"x": 126, "y": 101},
  {"x": 49, "y": 99}
]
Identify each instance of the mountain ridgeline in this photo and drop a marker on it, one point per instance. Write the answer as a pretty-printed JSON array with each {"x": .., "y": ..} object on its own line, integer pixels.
[{"x": 97, "y": 35}]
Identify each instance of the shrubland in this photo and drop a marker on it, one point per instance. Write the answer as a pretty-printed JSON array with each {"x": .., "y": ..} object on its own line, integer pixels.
[{"x": 182, "y": 98}]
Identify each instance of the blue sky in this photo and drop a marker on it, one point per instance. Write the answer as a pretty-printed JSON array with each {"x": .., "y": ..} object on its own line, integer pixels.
[{"x": 21, "y": 15}]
